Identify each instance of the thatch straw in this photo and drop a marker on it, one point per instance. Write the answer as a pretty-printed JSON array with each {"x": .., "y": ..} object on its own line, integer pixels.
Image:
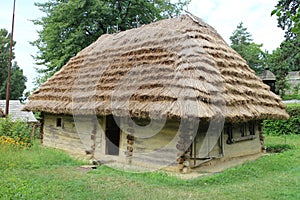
[{"x": 178, "y": 67}]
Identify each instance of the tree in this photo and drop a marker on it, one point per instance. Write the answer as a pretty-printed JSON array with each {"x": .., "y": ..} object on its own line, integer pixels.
[
  {"x": 71, "y": 25},
  {"x": 280, "y": 67},
  {"x": 288, "y": 16},
  {"x": 287, "y": 57},
  {"x": 288, "y": 13},
  {"x": 242, "y": 42},
  {"x": 291, "y": 53},
  {"x": 17, "y": 80},
  {"x": 4, "y": 53}
]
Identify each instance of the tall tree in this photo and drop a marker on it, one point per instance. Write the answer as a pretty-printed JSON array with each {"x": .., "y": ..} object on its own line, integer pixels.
[
  {"x": 17, "y": 84},
  {"x": 70, "y": 25},
  {"x": 242, "y": 42},
  {"x": 18, "y": 80},
  {"x": 280, "y": 67},
  {"x": 287, "y": 57},
  {"x": 288, "y": 17}
]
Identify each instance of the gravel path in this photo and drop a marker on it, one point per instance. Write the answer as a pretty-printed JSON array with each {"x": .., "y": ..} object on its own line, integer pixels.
[{"x": 291, "y": 101}]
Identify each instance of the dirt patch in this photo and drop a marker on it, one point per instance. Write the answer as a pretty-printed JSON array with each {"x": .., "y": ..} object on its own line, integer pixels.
[{"x": 278, "y": 148}]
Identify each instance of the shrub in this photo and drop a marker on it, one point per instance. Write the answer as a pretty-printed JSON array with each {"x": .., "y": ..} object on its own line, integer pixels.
[
  {"x": 293, "y": 110},
  {"x": 15, "y": 132},
  {"x": 282, "y": 127},
  {"x": 291, "y": 96}
]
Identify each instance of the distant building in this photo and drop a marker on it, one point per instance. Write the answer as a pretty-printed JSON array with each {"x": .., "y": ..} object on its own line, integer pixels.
[
  {"x": 15, "y": 110},
  {"x": 294, "y": 81},
  {"x": 268, "y": 78}
]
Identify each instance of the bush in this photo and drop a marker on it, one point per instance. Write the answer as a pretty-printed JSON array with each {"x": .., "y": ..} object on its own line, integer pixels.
[
  {"x": 291, "y": 97},
  {"x": 283, "y": 127},
  {"x": 15, "y": 132},
  {"x": 293, "y": 110}
]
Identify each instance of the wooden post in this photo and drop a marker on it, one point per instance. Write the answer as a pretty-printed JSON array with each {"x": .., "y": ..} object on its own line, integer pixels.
[
  {"x": 42, "y": 127},
  {"x": 33, "y": 126},
  {"x": 195, "y": 151},
  {"x": 10, "y": 62},
  {"x": 130, "y": 142},
  {"x": 184, "y": 146},
  {"x": 261, "y": 136},
  {"x": 93, "y": 136}
]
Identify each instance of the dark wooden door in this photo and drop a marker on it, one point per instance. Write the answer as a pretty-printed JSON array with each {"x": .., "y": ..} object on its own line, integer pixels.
[{"x": 112, "y": 133}]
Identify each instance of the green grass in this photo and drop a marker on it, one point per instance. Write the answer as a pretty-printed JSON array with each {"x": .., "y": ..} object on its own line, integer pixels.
[{"x": 43, "y": 173}]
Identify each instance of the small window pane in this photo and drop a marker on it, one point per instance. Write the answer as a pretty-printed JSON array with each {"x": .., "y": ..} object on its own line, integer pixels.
[{"x": 58, "y": 122}]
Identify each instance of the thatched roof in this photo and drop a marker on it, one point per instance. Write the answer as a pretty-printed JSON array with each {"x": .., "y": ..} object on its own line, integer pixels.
[
  {"x": 267, "y": 75},
  {"x": 178, "y": 67}
]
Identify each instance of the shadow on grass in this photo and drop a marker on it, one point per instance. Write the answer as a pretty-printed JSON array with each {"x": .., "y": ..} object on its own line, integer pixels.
[{"x": 279, "y": 148}]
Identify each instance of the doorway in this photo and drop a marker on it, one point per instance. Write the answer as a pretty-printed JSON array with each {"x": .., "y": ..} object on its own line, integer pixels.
[{"x": 112, "y": 135}]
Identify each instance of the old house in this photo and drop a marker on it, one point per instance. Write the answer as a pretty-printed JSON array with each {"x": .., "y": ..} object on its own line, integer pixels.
[
  {"x": 15, "y": 111},
  {"x": 168, "y": 93}
]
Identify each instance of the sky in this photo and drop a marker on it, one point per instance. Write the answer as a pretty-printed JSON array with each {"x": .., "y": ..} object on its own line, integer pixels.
[{"x": 223, "y": 15}]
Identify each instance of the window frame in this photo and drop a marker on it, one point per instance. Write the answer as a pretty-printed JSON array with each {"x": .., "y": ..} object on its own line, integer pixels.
[
  {"x": 246, "y": 129},
  {"x": 59, "y": 122}
]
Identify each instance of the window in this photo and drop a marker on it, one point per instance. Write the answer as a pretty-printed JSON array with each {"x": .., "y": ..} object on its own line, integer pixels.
[
  {"x": 247, "y": 129},
  {"x": 58, "y": 122},
  {"x": 240, "y": 132},
  {"x": 243, "y": 129},
  {"x": 252, "y": 128},
  {"x": 228, "y": 131}
]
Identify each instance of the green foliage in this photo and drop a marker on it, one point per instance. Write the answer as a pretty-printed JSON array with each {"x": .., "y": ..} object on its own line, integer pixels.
[
  {"x": 240, "y": 36},
  {"x": 44, "y": 173},
  {"x": 284, "y": 127},
  {"x": 291, "y": 53},
  {"x": 17, "y": 83},
  {"x": 291, "y": 96},
  {"x": 71, "y": 25},
  {"x": 4, "y": 52},
  {"x": 19, "y": 131},
  {"x": 287, "y": 57},
  {"x": 17, "y": 80},
  {"x": 288, "y": 17},
  {"x": 284, "y": 59},
  {"x": 293, "y": 110},
  {"x": 279, "y": 65},
  {"x": 36, "y": 157},
  {"x": 242, "y": 42}
]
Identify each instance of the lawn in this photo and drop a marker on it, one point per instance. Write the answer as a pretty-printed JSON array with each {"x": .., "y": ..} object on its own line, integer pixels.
[{"x": 44, "y": 173}]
